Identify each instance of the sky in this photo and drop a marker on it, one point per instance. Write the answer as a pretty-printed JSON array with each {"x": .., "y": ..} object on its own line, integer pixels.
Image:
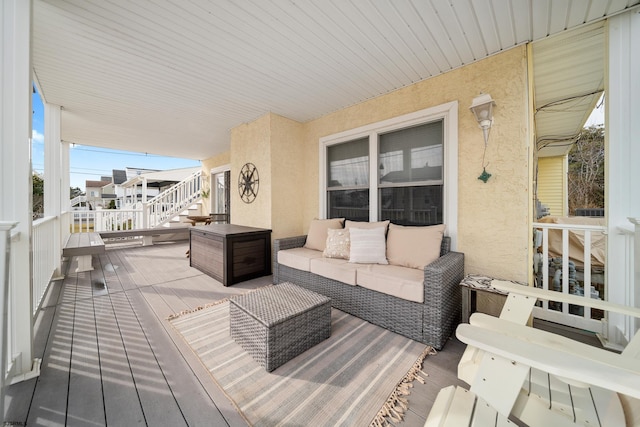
[{"x": 91, "y": 163}]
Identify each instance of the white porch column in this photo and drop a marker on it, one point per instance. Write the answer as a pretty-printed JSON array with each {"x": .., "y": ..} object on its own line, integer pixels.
[
  {"x": 144, "y": 190},
  {"x": 623, "y": 151},
  {"x": 53, "y": 188},
  {"x": 65, "y": 187},
  {"x": 15, "y": 167}
]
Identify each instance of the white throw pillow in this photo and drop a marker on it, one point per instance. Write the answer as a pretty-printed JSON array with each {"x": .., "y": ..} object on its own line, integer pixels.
[
  {"x": 338, "y": 244},
  {"x": 368, "y": 246}
]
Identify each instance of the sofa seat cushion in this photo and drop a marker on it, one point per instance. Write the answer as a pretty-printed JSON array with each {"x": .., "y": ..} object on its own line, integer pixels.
[
  {"x": 299, "y": 258},
  {"x": 402, "y": 282},
  {"x": 335, "y": 269}
]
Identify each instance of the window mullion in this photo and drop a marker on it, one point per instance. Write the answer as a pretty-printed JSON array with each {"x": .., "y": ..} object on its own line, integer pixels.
[{"x": 374, "y": 177}]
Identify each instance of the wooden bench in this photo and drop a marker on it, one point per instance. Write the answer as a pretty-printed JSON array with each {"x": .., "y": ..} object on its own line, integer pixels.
[
  {"x": 83, "y": 246},
  {"x": 539, "y": 378},
  {"x": 147, "y": 234}
]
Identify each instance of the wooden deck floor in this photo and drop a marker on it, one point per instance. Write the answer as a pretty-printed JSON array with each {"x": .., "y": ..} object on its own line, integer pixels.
[{"x": 109, "y": 356}]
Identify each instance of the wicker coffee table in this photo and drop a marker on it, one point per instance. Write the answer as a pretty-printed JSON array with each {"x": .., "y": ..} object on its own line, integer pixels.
[{"x": 277, "y": 323}]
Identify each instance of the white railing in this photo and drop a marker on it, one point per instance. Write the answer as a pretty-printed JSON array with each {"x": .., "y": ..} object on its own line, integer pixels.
[
  {"x": 44, "y": 262},
  {"x": 156, "y": 212},
  {"x": 77, "y": 200},
  {"x": 176, "y": 199},
  {"x": 118, "y": 219},
  {"x": 82, "y": 221},
  {"x": 569, "y": 273}
]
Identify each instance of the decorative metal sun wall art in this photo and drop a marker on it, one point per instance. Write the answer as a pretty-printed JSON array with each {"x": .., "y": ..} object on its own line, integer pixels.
[{"x": 248, "y": 182}]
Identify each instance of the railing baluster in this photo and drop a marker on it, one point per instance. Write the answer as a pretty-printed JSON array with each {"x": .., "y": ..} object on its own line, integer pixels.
[
  {"x": 586, "y": 283},
  {"x": 565, "y": 268},
  {"x": 545, "y": 264}
]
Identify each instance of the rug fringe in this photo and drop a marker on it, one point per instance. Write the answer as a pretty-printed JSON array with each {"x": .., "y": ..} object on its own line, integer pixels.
[
  {"x": 198, "y": 308},
  {"x": 397, "y": 405},
  {"x": 202, "y": 307}
]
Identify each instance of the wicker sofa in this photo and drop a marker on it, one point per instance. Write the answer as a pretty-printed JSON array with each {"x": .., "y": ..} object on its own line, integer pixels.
[{"x": 431, "y": 322}]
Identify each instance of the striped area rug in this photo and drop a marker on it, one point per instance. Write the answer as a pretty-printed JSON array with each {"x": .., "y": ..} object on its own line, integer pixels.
[{"x": 355, "y": 378}]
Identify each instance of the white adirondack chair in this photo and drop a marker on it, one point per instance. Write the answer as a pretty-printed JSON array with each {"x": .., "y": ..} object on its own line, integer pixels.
[{"x": 537, "y": 378}]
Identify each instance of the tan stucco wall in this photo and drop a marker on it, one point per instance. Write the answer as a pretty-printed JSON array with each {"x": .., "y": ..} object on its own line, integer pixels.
[
  {"x": 493, "y": 218},
  {"x": 287, "y": 176},
  {"x": 251, "y": 143}
]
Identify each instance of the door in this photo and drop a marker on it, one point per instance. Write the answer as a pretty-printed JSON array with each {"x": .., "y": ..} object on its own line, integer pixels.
[{"x": 221, "y": 196}]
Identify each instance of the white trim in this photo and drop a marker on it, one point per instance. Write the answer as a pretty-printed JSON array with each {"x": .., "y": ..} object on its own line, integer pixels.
[
  {"x": 447, "y": 112},
  {"x": 212, "y": 173},
  {"x": 219, "y": 169}
]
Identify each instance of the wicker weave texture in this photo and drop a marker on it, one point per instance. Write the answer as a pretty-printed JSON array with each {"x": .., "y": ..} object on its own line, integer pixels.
[
  {"x": 431, "y": 322},
  {"x": 275, "y": 324}
]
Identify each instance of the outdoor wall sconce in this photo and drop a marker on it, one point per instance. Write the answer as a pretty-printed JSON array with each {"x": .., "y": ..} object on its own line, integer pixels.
[{"x": 482, "y": 109}]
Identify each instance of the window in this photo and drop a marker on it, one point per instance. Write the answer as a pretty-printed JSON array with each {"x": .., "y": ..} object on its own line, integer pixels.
[
  {"x": 403, "y": 169},
  {"x": 348, "y": 180},
  {"x": 410, "y": 182}
]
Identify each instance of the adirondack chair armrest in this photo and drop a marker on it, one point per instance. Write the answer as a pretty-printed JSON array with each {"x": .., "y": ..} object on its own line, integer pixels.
[
  {"x": 547, "y": 295},
  {"x": 546, "y": 351}
]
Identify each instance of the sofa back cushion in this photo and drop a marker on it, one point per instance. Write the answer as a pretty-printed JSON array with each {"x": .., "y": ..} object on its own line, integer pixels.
[
  {"x": 317, "y": 235},
  {"x": 414, "y": 247},
  {"x": 363, "y": 224}
]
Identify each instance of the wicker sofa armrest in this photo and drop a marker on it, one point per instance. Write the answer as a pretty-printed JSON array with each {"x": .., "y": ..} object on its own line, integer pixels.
[
  {"x": 446, "y": 271},
  {"x": 288, "y": 243},
  {"x": 282, "y": 244},
  {"x": 442, "y": 297}
]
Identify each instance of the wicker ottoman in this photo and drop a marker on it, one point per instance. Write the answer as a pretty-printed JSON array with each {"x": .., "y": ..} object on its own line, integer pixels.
[{"x": 277, "y": 323}]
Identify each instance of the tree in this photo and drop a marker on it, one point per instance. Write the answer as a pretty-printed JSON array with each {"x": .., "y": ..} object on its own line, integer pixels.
[
  {"x": 586, "y": 170},
  {"x": 75, "y": 192},
  {"x": 38, "y": 195},
  {"x": 37, "y": 200}
]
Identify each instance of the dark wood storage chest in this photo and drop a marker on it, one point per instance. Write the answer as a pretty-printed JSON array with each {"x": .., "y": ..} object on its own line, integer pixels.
[{"x": 230, "y": 253}]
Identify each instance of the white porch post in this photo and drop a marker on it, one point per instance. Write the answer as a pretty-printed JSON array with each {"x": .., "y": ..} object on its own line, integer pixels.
[
  {"x": 144, "y": 190},
  {"x": 636, "y": 271},
  {"x": 65, "y": 186},
  {"x": 15, "y": 167},
  {"x": 622, "y": 130},
  {"x": 53, "y": 177},
  {"x": 5, "y": 244}
]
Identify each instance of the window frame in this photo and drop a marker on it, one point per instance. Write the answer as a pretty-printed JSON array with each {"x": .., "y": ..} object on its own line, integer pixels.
[{"x": 448, "y": 113}]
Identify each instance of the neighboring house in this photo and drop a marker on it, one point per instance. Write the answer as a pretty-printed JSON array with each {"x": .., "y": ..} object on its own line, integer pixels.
[
  {"x": 552, "y": 184},
  {"x": 94, "y": 191},
  {"x": 544, "y": 89}
]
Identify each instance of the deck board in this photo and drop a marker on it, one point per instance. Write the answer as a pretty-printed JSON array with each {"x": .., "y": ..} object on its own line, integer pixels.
[
  {"x": 85, "y": 399},
  {"x": 121, "y": 400}
]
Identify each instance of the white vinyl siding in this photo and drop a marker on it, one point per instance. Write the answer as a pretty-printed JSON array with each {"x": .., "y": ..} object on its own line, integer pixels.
[{"x": 552, "y": 184}]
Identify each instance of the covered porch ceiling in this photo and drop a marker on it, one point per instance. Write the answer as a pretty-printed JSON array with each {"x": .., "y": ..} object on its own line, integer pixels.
[{"x": 172, "y": 77}]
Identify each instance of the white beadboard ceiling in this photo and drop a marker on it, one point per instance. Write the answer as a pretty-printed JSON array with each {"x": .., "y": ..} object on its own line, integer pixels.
[{"x": 172, "y": 77}]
